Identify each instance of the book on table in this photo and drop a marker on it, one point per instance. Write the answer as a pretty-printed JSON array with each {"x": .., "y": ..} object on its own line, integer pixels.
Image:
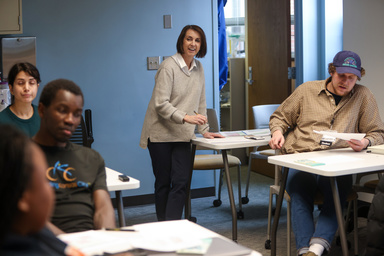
[{"x": 377, "y": 149}]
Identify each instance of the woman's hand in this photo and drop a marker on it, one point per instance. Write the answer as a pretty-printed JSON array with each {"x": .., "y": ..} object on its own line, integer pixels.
[
  {"x": 195, "y": 119},
  {"x": 211, "y": 135}
]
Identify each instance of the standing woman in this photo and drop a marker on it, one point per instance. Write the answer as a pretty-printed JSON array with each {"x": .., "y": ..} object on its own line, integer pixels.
[
  {"x": 176, "y": 107},
  {"x": 23, "y": 82}
]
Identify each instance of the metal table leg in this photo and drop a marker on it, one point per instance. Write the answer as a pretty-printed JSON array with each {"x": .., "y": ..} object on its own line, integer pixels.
[
  {"x": 230, "y": 194},
  {"x": 279, "y": 203},
  {"x": 339, "y": 214},
  {"x": 120, "y": 208}
]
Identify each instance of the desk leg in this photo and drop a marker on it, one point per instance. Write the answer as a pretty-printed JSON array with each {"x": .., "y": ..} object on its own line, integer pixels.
[
  {"x": 278, "y": 211},
  {"x": 120, "y": 208},
  {"x": 230, "y": 194},
  {"x": 187, "y": 208},
  {"x": 339, "y": 214}
]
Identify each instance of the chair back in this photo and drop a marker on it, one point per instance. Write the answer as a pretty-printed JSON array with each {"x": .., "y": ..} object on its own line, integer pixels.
[
  {"x": 212, "y": 120},
  {"x": 213, "y": 124},
  {"x": 83, "y": 133},
  {"x": 262, "y": 113}
]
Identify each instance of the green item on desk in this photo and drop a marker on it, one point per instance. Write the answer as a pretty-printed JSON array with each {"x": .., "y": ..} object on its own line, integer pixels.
[
  {"x": 309, "y": 162},
  {"x": 198, "y": 250}
]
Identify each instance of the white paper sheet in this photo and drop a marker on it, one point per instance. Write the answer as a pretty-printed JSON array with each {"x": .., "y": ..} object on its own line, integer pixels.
[{"x": 343, "y": 136}]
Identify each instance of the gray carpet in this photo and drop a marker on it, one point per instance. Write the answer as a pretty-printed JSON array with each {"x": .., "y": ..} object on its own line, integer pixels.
[{"x": 252, "y": 230}]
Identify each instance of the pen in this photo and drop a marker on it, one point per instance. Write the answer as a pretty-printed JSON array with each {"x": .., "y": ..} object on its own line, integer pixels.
[{"x": 120, "y": 229}]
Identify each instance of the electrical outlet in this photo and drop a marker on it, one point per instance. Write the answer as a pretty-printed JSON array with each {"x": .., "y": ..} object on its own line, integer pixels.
[{"x": 153, "y": 63}]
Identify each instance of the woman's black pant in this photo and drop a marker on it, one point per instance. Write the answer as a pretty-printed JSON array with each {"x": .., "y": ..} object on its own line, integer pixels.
[{"x": 171, "y": 163}]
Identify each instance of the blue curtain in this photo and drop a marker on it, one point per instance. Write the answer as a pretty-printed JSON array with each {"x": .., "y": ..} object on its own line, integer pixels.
[{"x": 223, "y": 62}]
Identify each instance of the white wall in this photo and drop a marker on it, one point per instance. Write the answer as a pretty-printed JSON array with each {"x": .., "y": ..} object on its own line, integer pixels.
[{"x": 364, "y": 34}]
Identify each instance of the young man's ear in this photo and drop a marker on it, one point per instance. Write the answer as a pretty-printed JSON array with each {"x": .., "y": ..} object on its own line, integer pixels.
[
  {"x": 23, "y": 204},
  {"x": 41, "y": 109}
]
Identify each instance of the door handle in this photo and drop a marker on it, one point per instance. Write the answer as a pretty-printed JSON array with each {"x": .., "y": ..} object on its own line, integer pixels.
[{"x": 249, "y": 80}]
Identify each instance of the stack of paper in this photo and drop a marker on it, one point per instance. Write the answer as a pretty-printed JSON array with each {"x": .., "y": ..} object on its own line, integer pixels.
[
  {"x": 341, "y": 135},
  {"x": 164, "y": 238}
]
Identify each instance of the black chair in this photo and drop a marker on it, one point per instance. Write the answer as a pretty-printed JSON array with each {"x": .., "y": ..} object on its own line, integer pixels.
[{"x": 83, "y": 134}]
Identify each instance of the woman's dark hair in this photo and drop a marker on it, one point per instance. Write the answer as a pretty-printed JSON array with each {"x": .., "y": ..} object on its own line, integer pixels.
[
  {"x": 203, "y": 46},
  {"x": 15, "y": 173},
  {"x": 27, "y": 68},
  {"x": 50, "y": 90}
]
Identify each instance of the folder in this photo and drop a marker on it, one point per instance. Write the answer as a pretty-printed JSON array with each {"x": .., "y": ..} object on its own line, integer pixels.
[{"x": 378, "y": 149}]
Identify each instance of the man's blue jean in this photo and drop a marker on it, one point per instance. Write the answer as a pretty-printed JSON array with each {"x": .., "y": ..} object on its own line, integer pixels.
[{"x": 302, "y": 188}]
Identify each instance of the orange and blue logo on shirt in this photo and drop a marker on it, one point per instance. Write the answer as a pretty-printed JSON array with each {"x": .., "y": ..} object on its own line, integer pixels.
[
  {"x": 62, "y": 176},
  {"x": 350, "y": 62}
]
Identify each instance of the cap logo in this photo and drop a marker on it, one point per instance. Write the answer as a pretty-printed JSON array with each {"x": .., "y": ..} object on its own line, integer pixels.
[{"x": 350, "y": 62}]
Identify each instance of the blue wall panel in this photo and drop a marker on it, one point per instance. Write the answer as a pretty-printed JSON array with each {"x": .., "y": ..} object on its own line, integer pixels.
[{"x": 103, "y": 46}]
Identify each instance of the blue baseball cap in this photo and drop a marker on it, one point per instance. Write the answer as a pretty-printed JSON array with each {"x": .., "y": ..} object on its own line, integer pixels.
[{"x": 347, "y": 62}]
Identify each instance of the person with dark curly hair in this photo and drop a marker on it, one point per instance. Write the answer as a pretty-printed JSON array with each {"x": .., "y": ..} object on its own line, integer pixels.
[
  {"x": 27, "y": 199},
  {"x": 76, "y": 173}
]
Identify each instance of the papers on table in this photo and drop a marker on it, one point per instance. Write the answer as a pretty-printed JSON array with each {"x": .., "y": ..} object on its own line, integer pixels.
[
  {"x": 255, "y": 132},
  {"x": 166, "y": 236},
  {"x": 316, "y": 161},
  {"x": 230, "y": 140},
  {"x": 343, "y": 136}
]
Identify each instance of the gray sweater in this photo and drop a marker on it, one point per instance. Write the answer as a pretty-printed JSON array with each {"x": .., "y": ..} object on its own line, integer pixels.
[{"x": 175, "y": 95}]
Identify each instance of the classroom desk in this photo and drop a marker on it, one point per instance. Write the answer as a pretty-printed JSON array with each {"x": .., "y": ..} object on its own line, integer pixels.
[
  {"x": 337, "y": 162},
  {"x": 114, "y": 184},
  {"x": 223, "y": 144},
  {"x": 162, "y": 238}
]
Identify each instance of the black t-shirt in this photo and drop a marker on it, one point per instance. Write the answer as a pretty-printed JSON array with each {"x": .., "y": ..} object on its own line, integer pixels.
[{"x": 74, "y": 172}]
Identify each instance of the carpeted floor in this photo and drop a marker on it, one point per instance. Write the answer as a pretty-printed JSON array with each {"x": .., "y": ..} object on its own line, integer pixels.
[{"x": 252, "y": 230}]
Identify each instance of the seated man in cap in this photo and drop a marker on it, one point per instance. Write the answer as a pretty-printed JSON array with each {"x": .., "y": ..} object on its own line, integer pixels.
[{"x": 339, "y": 104}]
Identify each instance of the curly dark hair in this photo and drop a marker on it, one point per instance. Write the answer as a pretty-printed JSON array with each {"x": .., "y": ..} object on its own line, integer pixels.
[
  {"x": 15, "y": 173},
  {"x": 50, "y": 90}
]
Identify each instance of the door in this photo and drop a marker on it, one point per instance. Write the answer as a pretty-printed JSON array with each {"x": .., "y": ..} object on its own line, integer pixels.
[
  {"x": 268, "y": 56},
  {"x": 268, "y": 52}
]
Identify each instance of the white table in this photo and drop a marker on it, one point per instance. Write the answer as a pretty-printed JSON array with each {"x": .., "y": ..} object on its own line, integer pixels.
[
  {"x": 114, "y": 184},
  {"x": 163, "y": 237},
  {"x": 337, "y": 162},
  {"x": 223, "y": 144}
]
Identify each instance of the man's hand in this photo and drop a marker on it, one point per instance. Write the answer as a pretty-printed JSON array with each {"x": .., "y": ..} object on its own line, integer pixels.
[
  {"x": 358, "y": 145},
  {"x": 195, "y": 119},
  {"x": 277, "y": 140},
  {"x": 55, "y": 230},
  {"x": 211, "y": 135}
]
